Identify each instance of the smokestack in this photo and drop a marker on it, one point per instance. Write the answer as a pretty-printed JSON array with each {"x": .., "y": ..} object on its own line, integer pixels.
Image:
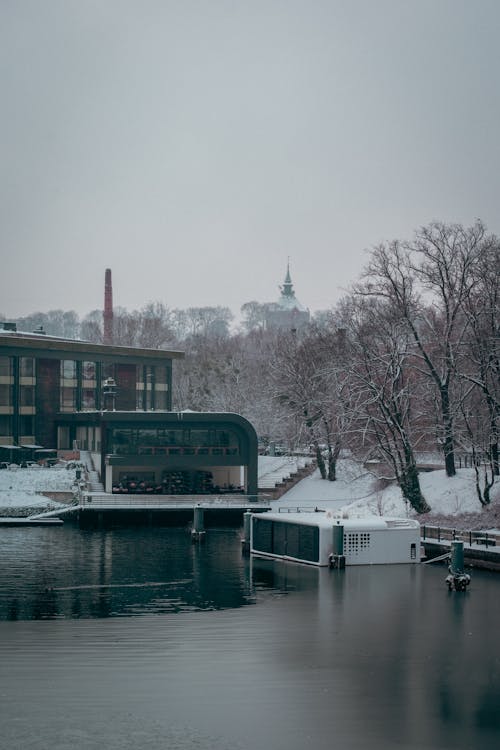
[{"x": 108, "y": 308}]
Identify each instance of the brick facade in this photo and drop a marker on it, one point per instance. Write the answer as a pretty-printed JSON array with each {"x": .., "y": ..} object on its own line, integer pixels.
[
  {"x": 126, "y": 376},
  {"x": 47, "y": 400}
]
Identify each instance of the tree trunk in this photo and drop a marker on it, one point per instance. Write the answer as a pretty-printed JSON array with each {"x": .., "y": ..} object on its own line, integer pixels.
[
  {"x": 449, "y": 443},
  {"x": 493, "y": 409},
  {"x": 410, "y": 487},
  {"x": 332, "y": 469},
  {"x": 333, "y": 457},
  {"x": 320, "y": 460},
  {"x": 495, "y": 459},
  {"x": 410, "y": 483}
]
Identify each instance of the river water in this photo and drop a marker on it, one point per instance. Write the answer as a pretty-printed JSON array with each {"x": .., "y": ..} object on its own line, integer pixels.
[{"x": 139, "y": 639}]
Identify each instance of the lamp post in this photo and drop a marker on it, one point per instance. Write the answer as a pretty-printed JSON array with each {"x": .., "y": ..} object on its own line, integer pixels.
[{"x": 109, "y": 390}]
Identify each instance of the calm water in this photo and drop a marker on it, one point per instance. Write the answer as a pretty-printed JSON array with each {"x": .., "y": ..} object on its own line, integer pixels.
[{"x": 139, "y": 639}]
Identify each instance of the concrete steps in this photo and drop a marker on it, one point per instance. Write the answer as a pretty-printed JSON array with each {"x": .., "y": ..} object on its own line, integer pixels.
[{"x": 93, "y": 478}]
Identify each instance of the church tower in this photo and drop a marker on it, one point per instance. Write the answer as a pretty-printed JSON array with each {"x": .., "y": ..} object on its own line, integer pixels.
[{"x": 287, "y": 313}]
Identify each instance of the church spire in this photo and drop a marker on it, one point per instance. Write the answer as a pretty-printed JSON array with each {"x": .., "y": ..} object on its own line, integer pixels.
[{"x": 287, "y": 288}]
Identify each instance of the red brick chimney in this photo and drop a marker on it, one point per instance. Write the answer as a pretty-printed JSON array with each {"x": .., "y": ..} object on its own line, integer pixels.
[{"x": 108, "y": 308}]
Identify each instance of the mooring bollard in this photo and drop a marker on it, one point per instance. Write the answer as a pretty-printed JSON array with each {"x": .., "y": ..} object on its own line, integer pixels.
[
  {"x": 457, "y": 579},
  {"x": 198, "y": 530},
  {"x": 247, "y": 523},
  {"x": 457, "y": 558},
  {"x": 336, "y": 559}
]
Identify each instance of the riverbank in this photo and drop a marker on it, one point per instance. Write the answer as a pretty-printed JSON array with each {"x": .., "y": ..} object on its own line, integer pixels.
[{"x": 355, "y": 493}]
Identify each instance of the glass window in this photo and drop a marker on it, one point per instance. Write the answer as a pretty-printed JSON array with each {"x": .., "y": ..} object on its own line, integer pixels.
[
  {"x": 223, "y": 442},
  {"x": 5, "y": 395},
  {"x": 26, "y": 367},
  {"x": 139, "y": 400},
  {"x": 161, "y": 374},
  {"x": 26, "y": 425},
  {"x": 68, "y": 369},
  {"x": 63, "y": 441},
  {"x": 5, "y": 425},
  {"x": 6, "y": 367},
  {"x": 89, "y": 371},
  {"x": 161, "y": 400},
  {"x": 27, "y": 395},
  {"x": 88, "y": 398},
  {"x": 68, "y": 399}
]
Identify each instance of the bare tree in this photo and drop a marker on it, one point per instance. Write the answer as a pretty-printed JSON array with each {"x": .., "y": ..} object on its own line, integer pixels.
[
  {"x": 426, "y": 282},
  {"x": 202, "y": 321},
  {"x": 382, "y": 391},
  {"x": 91, "y": 328},
  {"x": 310, "y": 386},
  {"x": 255, "y": 315}
]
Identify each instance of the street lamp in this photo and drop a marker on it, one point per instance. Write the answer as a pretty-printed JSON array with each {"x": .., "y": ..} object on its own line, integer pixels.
[{"x": 109, "y": 394}]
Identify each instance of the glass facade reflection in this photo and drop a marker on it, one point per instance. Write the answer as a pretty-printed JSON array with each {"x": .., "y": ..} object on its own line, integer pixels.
[{"x": 143, "y": 441}]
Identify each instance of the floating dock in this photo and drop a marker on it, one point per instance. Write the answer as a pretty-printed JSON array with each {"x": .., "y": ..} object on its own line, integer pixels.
[{"x": 7, "y": 521}]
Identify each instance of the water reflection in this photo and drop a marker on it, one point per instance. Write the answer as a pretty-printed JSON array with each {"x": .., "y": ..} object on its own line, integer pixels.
[
  {"x": 180, "y": 646},
  {"x": 51, "y": 574}
]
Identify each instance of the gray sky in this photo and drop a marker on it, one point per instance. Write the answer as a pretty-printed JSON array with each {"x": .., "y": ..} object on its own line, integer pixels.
[{"x": 192, "y": 147}]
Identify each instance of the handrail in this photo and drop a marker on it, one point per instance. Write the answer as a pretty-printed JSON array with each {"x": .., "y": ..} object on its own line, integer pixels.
[
  {"x": 99, "y": 499},
  {"x": 445, "y": 534},
  {"x": 300, "y": 509}
]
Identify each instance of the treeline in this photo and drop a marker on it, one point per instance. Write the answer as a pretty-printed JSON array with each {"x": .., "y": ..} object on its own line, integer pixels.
[{"x": 407, "y": 362}]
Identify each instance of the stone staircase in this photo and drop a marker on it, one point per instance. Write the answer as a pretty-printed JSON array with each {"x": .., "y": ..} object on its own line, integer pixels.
[
  {"x": 277, "y": 475},
  {"x": 93, "y": 478}
]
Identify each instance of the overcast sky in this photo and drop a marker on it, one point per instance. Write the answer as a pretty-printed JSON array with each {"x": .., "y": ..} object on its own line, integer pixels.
[{"x": 194, "y": 146}]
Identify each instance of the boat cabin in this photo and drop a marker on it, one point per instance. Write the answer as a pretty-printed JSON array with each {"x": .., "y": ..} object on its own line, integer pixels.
[{"x": 319, "y": 538}]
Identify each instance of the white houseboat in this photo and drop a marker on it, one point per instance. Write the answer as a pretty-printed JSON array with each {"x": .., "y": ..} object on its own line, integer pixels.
[{"x": 318, "y": 538}]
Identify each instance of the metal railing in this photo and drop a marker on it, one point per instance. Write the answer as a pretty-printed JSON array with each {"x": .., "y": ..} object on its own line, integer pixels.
[
  {"x": 300, "y": 509},
  {"x": 103, "y": 500},
  {"x": 445, "y": 534}
]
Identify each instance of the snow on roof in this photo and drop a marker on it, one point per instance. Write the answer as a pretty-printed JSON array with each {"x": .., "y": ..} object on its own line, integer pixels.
[{"x": 328, "y": 519}]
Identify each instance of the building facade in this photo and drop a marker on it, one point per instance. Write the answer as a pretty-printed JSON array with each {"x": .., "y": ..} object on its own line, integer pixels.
[
  {"x": 287, "y": 313},
  {"x": 116, "y": 402},
  {"x": 43, "y": 377}
]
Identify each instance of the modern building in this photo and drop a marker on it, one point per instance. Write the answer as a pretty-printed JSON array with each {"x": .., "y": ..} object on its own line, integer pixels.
[
  {"x": 116, "y": 402},
  {"x": 287, "y": 313},
  {"x": 172, "y": 453}
]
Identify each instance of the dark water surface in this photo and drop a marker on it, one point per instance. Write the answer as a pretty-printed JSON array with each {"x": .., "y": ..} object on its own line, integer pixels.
[{"x": 139, "y": 639}]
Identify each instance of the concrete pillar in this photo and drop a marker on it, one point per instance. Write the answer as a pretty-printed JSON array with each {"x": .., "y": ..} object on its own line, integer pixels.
[
  {"x": 198, "y": 530},
  {"x": 247, "y": 525},
  {"x": 457, "y": 558}
]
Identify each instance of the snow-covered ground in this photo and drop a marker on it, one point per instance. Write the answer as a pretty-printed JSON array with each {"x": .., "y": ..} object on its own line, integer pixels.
[
  {"x": 20, "y": 488},
  {"x": 358, "y": 493}
]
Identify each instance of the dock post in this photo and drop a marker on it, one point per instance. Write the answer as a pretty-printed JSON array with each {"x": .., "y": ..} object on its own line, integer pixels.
[
  {"x": 198, "y": 530},
  {"x": 337, "y": 557},
  {"x": 457, "y": 557},
  {"x": 245, "y": 541},
  {"x": 457, "y": 579}
]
